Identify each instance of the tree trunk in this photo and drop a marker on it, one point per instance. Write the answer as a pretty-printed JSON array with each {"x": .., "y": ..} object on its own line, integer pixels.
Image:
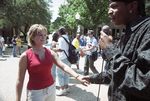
[
  {"x": 25, "y": 37},
  {"x": 16, "y": 30},
  {"x": 25, "y": 32}
]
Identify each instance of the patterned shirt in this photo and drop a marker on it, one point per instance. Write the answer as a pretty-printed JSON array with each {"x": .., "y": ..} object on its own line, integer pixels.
[{"x": 129, "y": 76}]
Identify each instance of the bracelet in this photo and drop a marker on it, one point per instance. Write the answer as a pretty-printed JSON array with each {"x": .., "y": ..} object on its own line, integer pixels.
[{"x": 77, "y": 76}]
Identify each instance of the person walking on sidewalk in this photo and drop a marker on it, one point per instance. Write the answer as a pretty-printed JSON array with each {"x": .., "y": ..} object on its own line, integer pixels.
[
  {"x": 61, "y": 46},
  {"x": 2, "y": 44},
  {"x": 18, "y": 46},
  {"x": 53, "y": 43},
  {"x": 91, "y": 46},
  {"x": 76, "y": 43},
  {"x": 38, "y": 61},
  {"x": 82, "y": 41},
  {"x": 14, "y": 43},
  {"x": 129, "y": 73}
]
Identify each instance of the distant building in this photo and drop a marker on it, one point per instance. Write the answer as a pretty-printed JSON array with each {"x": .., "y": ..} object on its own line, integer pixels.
[{"x": 7, "y": 32}]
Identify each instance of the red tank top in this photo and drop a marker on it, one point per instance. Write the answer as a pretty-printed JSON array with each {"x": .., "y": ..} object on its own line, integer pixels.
[{"x": 39, "y": 71}]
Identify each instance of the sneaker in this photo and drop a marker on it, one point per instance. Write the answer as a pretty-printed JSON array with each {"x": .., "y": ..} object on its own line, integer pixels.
[
  {"x": 61, "y": 92},
  {"x": 67, "y": 90},
  {"x": 79, "y": 70}
]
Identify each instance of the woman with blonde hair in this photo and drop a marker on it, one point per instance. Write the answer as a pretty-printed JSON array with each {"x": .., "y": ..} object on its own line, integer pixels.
[{"x": 38, "y": 61}]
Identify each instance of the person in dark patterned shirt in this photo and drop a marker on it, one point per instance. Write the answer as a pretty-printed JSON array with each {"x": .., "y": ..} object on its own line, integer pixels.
[{"x": 129, "y": 75}]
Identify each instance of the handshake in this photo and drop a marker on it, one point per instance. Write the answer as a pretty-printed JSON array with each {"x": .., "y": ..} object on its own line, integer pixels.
[{"x": 84, "y": 80}]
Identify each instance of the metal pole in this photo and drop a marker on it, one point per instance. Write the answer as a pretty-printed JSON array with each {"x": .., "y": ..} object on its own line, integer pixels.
[
  {"x": 77, "y": 25},
  {"x": 100, "y": 84}
]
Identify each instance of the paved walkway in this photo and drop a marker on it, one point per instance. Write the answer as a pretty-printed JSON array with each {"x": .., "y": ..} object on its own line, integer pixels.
[{"x": 78, "y": 92}]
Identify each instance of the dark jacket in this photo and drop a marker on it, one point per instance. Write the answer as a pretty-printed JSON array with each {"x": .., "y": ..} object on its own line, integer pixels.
[{"x": 129, "y": 76}]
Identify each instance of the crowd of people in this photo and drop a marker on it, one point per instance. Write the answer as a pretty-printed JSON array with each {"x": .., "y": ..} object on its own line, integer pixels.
[
  {"x": 16, "y": 44},
  {"x": 127, "y": 64}
]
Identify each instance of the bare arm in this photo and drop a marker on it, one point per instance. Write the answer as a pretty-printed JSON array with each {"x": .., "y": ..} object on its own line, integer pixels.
[
  {"x": 57, "y": 50},
  {"x": 21, "y": 75},
  {"x": 67, "y": 69}
]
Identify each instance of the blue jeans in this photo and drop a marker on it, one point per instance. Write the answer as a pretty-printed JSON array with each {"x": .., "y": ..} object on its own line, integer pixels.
[
  {"x": 53, "y": 71},
  {"x": 1, "y": 48},
  {"x": 63, "y": 78},
  {"x": 14, "y": 51}
]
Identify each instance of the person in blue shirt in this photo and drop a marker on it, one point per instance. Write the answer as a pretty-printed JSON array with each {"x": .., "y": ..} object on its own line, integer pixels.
[
  {"x": 14, "y": 42},
  {"x": 91, "y": 46},
  {"x": 82, "y": 41}
]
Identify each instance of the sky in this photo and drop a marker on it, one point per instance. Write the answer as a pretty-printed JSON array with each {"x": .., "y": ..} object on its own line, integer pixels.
[{"x": 56, "y": 4}]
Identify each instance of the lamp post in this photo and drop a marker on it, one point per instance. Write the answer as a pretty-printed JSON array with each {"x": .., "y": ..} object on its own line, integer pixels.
[{"x": 77, "y": 17}]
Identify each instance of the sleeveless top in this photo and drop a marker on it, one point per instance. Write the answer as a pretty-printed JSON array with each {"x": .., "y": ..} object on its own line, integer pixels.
[{"x": 39, "y": 71}]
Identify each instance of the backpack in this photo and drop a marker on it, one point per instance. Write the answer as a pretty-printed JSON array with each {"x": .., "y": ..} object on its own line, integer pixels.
[
  {"x": 73, "y": 53},
  {"x": 0, "y": 44}
]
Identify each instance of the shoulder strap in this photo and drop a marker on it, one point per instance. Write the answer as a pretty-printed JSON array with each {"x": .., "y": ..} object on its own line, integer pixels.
[
  {"x": 65, "y": 39},
  {"x": 68, "y": 44},
  {"x": 1, "y": 43}
]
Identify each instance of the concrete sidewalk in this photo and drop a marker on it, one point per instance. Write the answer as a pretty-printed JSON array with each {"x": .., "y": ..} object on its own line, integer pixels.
[{"x": 78, "y": 92}]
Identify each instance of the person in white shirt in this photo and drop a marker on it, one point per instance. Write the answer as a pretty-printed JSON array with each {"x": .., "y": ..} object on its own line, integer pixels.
[
  {"x": 91, "y": 46},
  {"x": 61, "y": 46},
  {"x": 53, "y": 43},
  {"x": 2, "y": 44}
]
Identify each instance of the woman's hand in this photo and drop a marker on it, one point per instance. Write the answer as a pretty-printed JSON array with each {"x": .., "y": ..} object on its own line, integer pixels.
[
  {"x": 105, "y": 40},
  {"x": 82, "y": 81},
  {"x": 87, "y": 78}
]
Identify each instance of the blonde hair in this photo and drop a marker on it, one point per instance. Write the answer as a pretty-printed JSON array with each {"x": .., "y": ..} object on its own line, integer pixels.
[{"x": 33, "y": 31}]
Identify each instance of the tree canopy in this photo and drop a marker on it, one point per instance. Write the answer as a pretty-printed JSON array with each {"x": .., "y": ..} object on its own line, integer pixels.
[
  {"x": 24, "y": 13},
  {"x": 147, "y": 4},
  {"x": 92, "y": 13}
]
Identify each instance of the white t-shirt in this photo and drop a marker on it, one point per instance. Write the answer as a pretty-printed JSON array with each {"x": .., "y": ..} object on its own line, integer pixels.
[
  {"x": 50, "y": 39},
  {"x": 90, "y": 43},
  {"x": 63, "y": 45},
  {"x": 1, "y": 40}
]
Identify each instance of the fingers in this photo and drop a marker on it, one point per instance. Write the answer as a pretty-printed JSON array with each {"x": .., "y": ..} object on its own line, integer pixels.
[
  {"x": 85, "y": 80},
  {"x": 105, "y": 40},
  {"x": 111, "y": 38},
  {"x": 102, "y": 33},
  {"x": 85, "y": 83},
  {"x": 102, "y": 36}
]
